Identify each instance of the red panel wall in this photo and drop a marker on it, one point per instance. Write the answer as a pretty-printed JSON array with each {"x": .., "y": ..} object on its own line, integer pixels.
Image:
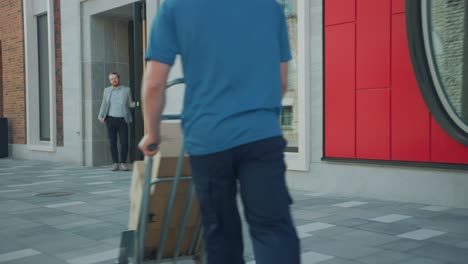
[
  {"x": 373, "y": 124},
  {"x": 398, "y": 6},
  {"x": 410, "y": 117},
  {"x": 380, "y": 113},
  {"x": 444, "y": 148},
  {"x": 373, "y": 44},
  {"x": 340, "y": 11},
  {"x": 340, "y": 92}
]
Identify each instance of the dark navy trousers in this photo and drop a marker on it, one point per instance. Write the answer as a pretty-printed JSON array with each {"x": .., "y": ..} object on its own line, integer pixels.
[{"x": 258, "y": 169}]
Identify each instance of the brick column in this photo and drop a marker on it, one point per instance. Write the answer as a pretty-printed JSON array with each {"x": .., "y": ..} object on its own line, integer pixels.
[
  {"x": 58, "y": 72},
  {"x": 12, "y": 53}
]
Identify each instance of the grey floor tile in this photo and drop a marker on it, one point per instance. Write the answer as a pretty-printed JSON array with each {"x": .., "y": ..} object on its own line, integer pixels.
[
  {"x": 311, "y": 243},
  {"x": 390, "y": 229},
  {"x": 442, "y": 253},
  {"x": 307, "y": 228},
  {"x": 391, "y": 218},
  {"x": 357, "y": 212},
  {"x": 19, "y": 235},
  {"x": 90, "y": 249},
  {"x": 417, "y": 260},
  {"x": 104, "y": 192},
  {"x": 463, "y": 245},
  {"x": 7, "y": 246},
  {"x": 459, "y": 211},
  {"x": 421, "y": 222},
  {"x": 403, "y": 245},
  {"x": 385, "y": 257},
  {"x": 307, "y": 215},
  {"x": 450, "y": 239},
  {"x": 78, "y": 224},
  {"x": 333, "y": 232},
  {"x": 95, "y": 258},
  {"x": 67, "y": 204},
  {"x": 344, "y": 250},
  {"x": 339, "y": 261},
  {"x": 345, "y": 233},
  {"x": 12, "y": 206},
  {"x": 18, "y": 254},
  {"x": 434, "y": 208},
  {"x": 366, "y": 238},
  {"x": 314, "y": 257},
  {"x": 113, "y": 241},
  {"x": 350, "y": 204},
  {"x": 99, "y": 231},
  {"x": 349, "y": 222},
  {"x": 421, "y": 234},
  {"x": 39, "y": 259},
  {"x": 56, "y": 242},
  {"x": 63, "y": 219},
  {"x": 335, "y": 219},
  {"x": 118, "y": 217}
]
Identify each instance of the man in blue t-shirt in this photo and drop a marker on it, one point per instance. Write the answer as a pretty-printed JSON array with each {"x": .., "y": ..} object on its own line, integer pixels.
[{"x": 234, "y": 56}]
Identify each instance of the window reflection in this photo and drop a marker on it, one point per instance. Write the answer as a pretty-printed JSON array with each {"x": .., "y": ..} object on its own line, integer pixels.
[
  {"x": 448, "y": 26},
  {"x": 289, "y": 116}
]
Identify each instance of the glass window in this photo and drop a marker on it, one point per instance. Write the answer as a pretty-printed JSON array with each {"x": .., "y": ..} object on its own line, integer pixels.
[
  {"x": 449, "y": 34},
  {"x": 289, "y": 118},
  {"x": 44, "y": 89}
]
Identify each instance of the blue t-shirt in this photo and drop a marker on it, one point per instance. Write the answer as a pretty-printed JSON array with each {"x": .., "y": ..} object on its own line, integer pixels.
[{"x": 231, "y": 54}]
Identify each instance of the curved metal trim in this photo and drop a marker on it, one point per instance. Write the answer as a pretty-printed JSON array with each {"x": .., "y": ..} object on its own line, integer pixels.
[{"x": 422, "y": 70}]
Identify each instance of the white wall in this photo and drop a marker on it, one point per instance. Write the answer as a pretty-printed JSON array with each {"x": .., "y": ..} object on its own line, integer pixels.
[
  {"x": 70, "y": 20},
  {"x": 175, "y": 95},
  {"x": 407, "y": 184}
]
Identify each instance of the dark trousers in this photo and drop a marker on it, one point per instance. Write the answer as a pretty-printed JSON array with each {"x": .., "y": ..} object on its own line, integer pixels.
[
  {"x": 118, "y": 126},
  {"x": 259, "y": 168}
]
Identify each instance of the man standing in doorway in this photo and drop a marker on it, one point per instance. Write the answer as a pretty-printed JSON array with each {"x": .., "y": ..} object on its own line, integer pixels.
[
  {"x": 115, "y": 113},
  {"x": 235, "y": 56}
]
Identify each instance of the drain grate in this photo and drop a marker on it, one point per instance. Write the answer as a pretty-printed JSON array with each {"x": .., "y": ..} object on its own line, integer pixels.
[{"x": 54, "y": 194}]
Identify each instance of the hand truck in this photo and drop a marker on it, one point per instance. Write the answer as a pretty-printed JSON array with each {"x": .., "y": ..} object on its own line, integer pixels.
[{"x": 132, "y": 244}]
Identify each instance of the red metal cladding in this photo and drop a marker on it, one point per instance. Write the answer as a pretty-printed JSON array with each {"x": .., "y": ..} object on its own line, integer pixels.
[
  {"x": 410, "y": 117},
  {"x": 339, "y": 11},
  {"x": 340, "y": 91},
  {"x": 398, "y": 6},
  {"x": 373, "y": 124},
  {"x": 373, "y": 44},
  {"x": 376, "y": 122},
  {"x": 444, "y": 148}
]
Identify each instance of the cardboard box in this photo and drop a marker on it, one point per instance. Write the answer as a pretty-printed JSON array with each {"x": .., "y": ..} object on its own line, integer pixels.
[{"x": 164, "y": 166}]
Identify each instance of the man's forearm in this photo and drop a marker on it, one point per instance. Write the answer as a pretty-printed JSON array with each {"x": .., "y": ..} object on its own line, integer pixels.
[{"x": 153, "y": 96}]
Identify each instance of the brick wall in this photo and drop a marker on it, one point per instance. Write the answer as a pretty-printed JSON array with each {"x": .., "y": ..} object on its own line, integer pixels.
[
  {"x": 1, "y": 82},
  {"x": 12, "y": 39},
  {"x": 58, "y": 72}
]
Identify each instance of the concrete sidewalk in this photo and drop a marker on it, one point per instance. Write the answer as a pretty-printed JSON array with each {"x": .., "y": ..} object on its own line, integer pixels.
[{"x": 83, "y": 226}]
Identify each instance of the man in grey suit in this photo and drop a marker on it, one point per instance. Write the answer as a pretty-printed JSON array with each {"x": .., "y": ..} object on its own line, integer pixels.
[{"x": 115, "y": 113}]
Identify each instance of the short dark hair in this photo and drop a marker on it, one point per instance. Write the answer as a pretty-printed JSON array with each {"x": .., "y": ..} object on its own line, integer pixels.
[{"x": 114, "y": 73}]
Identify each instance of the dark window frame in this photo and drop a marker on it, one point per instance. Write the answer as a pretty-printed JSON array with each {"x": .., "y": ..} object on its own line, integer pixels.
[{"x": 419, "y": 58}]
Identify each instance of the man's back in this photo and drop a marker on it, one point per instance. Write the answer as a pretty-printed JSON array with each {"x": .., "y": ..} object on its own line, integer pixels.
[
  {"x": 231, "y": 52},
  {"x": 234, "y": 54}
]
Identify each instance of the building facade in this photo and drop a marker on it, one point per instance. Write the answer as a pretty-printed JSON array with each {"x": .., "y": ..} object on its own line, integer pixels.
[{"x": 355, "y": 115}]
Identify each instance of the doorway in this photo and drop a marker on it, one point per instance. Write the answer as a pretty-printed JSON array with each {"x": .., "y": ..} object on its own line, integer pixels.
[{"x": 117, "y": 45}]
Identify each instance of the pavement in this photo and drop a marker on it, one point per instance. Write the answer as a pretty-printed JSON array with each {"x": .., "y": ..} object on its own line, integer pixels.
[{"x": 51, "y": 213}]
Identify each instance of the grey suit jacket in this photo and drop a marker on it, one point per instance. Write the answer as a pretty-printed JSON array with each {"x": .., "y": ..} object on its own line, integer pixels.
[{"x": 127, "y": 103}]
